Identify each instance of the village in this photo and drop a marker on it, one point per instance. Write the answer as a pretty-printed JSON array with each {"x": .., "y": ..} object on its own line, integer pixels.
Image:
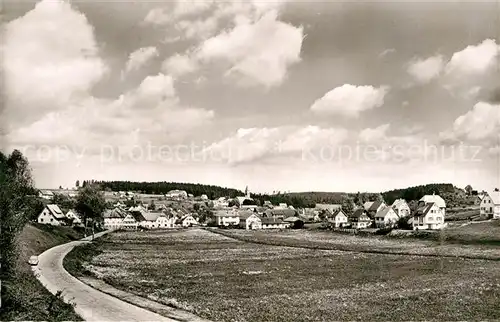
[{"x": 178, "y": 209}]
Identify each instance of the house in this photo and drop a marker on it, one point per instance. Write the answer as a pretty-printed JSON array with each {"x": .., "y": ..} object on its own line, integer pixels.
[
  {"x": 367, "y": 205},
  {"x": 279, "y": 213},
  {"x": 360, "y": 219},
  {"x": 176, "y": 194},
  {"x": 268, "y": 204},
  {"x": 274, "y": 223},
  {"x": 129, "y": 223},
  {"x": 437, "y": 200},
  {"x": 490, "y": 205},
  {"x": 221, "y": 202},
  {"x": 428, "y": 216},
  {"x": 375, "y": 207},
  {"x": 186, "y": 221},
  {"x": 204, "y": 197},
  {"x": 249, "y": 220},
  {"x": 330, "y": 208},
  {"x": 74, "y": 218},
  {"x": 401, "y": 208},
  {"x": 386, "y": 217},
  {"x": 155, "y": 220},
  {"x": 226, "y": 218},
  {"x": 52, "y": 215},
  {"x": 338, "y": 219},
  {"x": 46, "y": 194},
  {"x": 113, "y": 218}
]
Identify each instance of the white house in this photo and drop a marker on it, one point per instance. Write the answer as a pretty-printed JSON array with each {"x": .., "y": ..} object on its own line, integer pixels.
[
  {"x": 490, "y": 205},
  {"x": 204, "y": 197},
  {"x": 227, "y": 218},
  {"x": 437, "y": 200},
  {"x": 52, "y": 215},
  {"x": 186, "y": 221},
  {"x": 156, "y": 220},
  {"x": 46, "y": 194},
  {"x": 401, "y": 208},
  {"x": 176, "y": 194},
  {"x": 274, "y": 223},
  {"x": 129, "y": 222},
  {"x": 113, "y": 218},
  {"x": 249, "y": 220},
  {"x": 339, "y": 218},
  {"x": 73, "y": 217},
  {"x": 360, "y": 219},
  {"x": 386, "y": 217},
  {"x": 221, "y": 202},
  {"x": 428, "y": 216}
]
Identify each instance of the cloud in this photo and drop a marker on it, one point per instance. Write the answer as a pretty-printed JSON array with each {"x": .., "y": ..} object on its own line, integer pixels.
[
  {"x": 474, "y": 59},
  {"x": 425, "y": 70},
  {"x": 350, "y": 100},
  {"x": 374, "y": 134},
  {"x": 181, "y": 8},
  {"x": 479, "y": 125},
  {"x": 257, "y": 53},
  {"x": 201, "y": 28},
  {"x": 180, "y": 64},
  {"x": 386, "y": 52},
  {"x": 140, "y": 57},
  {"x": 50, "y": 59},
  {"x": 253, "y": 144}
]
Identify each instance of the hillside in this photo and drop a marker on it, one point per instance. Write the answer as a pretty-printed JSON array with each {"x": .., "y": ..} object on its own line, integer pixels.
[
  {"x": 32, "y": 302},
  {"x": 195, "y": 189}
]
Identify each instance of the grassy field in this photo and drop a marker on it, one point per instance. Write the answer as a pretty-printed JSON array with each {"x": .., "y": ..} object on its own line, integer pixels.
[
  {"x": 225, "y": 279},
  {"x": 30, "y": 300}
]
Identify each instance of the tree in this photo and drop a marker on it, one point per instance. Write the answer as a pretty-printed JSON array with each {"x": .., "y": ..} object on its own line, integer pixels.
[
  {"x": 16, "y": 186},
  {"x": 77, "y": 184},
  {"x": 65, "y": 202},
  {"x": 152, "y": 205},
  {"x": 90, "y": 203},
  {"x": 468, "y": 189},
  {"x": 347, "y": 206}
]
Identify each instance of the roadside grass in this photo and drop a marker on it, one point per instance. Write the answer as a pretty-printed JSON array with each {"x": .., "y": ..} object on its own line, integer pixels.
[
  {"x": 225, "y": 279},
  {"x": 76, "y": 260},
  {"x": 26, "y": 298}
]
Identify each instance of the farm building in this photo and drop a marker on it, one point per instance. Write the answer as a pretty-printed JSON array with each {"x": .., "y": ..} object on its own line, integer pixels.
[
  {"x": 249, "y": 220},
  {"x": 338, "y": 218},
  {"x": 274, "y": 223},
  {"x": 226, "y": 218},
  {"x": 401, "y": 208},
  {"x": 490, "y": 205},
  {"x": 360, "y": 219},
  {"x": 186, "y": 221},
  {"x": 52, "y": 215},
  {"x": 386, "y": 217}
]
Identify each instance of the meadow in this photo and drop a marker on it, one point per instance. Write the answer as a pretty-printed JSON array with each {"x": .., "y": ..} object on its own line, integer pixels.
[{"x": 225, "y": 279}]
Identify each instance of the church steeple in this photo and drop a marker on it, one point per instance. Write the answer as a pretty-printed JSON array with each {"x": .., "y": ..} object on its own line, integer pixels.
[{"x": 247, "y": 192}]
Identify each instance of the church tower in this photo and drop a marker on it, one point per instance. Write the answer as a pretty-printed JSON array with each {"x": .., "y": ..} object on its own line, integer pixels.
[{"x": 247, "y": 192}]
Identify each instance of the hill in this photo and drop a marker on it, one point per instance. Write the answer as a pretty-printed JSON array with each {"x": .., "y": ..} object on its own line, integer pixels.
[
  {"x": 196, "y": 189},
  {"x": 31, "y": 301}
]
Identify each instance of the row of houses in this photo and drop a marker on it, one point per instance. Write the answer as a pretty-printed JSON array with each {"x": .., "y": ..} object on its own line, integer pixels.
[{"x": 53, "y": 215}]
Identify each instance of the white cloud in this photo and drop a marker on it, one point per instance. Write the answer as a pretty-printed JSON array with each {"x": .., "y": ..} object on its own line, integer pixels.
[
  {"x": 259, "y": 52},
  {"x": 140, "y": 57},
  {"x": 179, "y": 65},
  {"x": 386, "y": 52},
  {"x": 425, "y": 70},
  {"x": 474, "y": 59},
  {"x": 481, "y": 125},
  {"x": 350, "y": 100},
  {"x": 181, "y": 8},
  {"x": 252, "y": 144},
  {"x": 374, "y": 134},
  {"x": 50, "y": 58},
  {"x": 201, "y": 28}
]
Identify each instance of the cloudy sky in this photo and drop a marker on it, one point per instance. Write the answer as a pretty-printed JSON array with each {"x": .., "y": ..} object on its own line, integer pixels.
[{"x": 283, "y": 95}]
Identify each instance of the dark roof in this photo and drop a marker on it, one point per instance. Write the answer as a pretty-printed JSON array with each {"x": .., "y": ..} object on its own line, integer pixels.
[
  {"x": 336, "y": 212},
  {"x": 375, "y": 205},
  {"x": 357, "y": 214},
  {"x": 245, "y": 214},
  {"x": 423, "y": 210},
  {"x": 383, "y": 212}
]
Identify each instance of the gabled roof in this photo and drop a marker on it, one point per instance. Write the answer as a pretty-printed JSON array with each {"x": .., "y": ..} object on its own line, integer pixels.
[
  {"x": 367, "y": 205},
  {"x": 328, "y": 206},
  {"x": 383, "y": 212},
  {"x": 434, "y": 199},
  {"x": 358, "y": 213},
  {"x": 245, "y": 214},
  {"x": 337, "y": 212},
  {"x": 152, "y": 216},
  {"x": 495, "y": 197},
  {"x": 56, "y": 211},
  {"x": 398, "y": 202},
  {"x": 375, "y": 205},
  {"x": 424, "y": 209},
  {"x": 114, "y": 213}
]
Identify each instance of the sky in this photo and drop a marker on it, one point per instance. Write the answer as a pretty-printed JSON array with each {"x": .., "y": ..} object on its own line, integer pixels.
[{"x": 274, "y": 95}]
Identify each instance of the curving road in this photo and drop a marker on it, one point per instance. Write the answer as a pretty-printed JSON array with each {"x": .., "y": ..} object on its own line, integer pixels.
[{"x": 90, "y": 304}]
